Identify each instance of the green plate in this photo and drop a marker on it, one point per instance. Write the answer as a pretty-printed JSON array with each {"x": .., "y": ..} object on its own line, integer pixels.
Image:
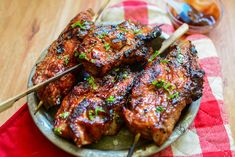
[{"x": 115, "y": 146}]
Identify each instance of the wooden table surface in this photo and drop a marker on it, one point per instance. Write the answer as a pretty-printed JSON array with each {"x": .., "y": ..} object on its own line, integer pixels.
[{"x": 27, "y": 27}]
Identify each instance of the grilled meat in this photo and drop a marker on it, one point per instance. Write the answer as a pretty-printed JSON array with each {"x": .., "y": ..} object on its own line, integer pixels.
[
  {"x": 109, "y": 46},
  {"x": 94, "y": 107},
  {"x": 165, "y": 87},
  {"x": 60, "y": 56}
]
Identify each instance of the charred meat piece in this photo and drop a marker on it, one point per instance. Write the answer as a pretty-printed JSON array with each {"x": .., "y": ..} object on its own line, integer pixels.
[
  {"x": 165, "y": 87},
  {"x": 60, "y": 56},
  {"x": 94, "y": 107},
  {"x": 109, "y": 46}
]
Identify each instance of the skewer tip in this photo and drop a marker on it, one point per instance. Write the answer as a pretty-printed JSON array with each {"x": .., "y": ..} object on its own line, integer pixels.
[
  {"x": 38, "y": 107},
  {"x": 131, "y": 150}
]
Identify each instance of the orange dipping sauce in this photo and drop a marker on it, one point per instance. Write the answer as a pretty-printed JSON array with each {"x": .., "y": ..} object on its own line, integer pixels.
[
  {"x": 205, "y": 15},
  {"x": 203, "y": 12}
]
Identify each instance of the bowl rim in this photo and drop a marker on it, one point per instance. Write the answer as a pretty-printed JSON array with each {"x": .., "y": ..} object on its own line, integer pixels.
[
  {"x": 45, "y": 127},
  {"x": 220, "y": 6}
]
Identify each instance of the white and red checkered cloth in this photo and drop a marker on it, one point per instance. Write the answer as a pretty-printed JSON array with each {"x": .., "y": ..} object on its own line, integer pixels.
[{"x": 210, "y": 133}]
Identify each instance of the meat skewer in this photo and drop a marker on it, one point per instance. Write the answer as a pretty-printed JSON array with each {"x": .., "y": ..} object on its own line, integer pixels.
[
  {"x": 164, "y": 89},
  {"x": 94, "y": 107},
  {"x": 176, "y": 35},
  {"x": 109, "y": 46},
  {"x": 60, "y": 57}
]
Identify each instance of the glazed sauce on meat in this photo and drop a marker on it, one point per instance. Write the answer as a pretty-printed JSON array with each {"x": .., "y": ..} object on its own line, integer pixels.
[{"x": 204, "y": 13}]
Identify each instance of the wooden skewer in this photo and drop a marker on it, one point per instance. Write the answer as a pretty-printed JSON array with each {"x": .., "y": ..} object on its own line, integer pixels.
[
  {"x": 38, "y": 107},
  {"x": 131, "y": 150},
  {"x": 8, "y": 103},
  {"x": 176, "y": 35}
]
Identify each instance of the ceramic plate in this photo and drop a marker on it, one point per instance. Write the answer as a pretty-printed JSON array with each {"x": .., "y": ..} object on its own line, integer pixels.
[{"x": 116, "y": 146}]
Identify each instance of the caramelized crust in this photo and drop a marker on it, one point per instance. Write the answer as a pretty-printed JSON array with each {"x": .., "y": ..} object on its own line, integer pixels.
[
  {"x": 60, "y": 56},
  {"x": 165, "y": 87},
  {"x": 110, "y": 46},
  {"x": 94, "y": 107}
]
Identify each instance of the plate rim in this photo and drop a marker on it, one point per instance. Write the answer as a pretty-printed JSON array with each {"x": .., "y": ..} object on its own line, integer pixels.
[{"x": 73, "y": 150}]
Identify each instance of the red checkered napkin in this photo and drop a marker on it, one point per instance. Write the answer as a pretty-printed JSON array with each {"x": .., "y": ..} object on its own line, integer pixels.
[{"x": 210, "y": 133}]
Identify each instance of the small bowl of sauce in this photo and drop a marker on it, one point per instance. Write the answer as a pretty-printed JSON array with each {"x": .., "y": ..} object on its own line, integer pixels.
[{"x": 205, "y": 15}]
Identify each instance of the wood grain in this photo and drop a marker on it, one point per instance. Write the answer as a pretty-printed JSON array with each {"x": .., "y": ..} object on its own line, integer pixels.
[{"x": 27, "y": 27}]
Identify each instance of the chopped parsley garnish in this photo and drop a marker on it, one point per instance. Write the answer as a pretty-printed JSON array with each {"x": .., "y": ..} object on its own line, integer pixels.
[
  {"x": 59, "y": 57},
  {"x": 158, "y": 84},
  {"x": 76, "y": 54},
  {"x": 91, "y": 114},
  {"x": 137, "y": 31},
  {"x": 125, "y": 76},
  {"x": 91, "y": 82},
  {"x": 179, "y": 56},
  {"x": 64, "y": 115},
  {"x": 92, "y": 61},
  {"x": 167, "y": 69},
  {"x": 78, "y": 24},
  {"x": 89, "y": 50},
  {"x": 111, "y": 99},
  {"x": 156, "y": 53},
  {"x": 82, "y": 56},
  {"x": 164, "y": 61},
  {"x": 98, "y": 109},
  {"x": 123, "y": 29},
  {"x": 106, "y": 46},
  {"x": 175, "y": 95},
  {"x": 167, "y": 85},
  {"x": 159, "y": 109},
  {"x": 66, "y": 60},
  {"x": 57, "y": 131},
  {"x": 163, "y": 84},
  {"x": 117, "y": 69},
  {"x": 101, "y": 36}
]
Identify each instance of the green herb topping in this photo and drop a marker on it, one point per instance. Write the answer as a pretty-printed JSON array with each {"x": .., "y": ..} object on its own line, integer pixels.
[
  {"x": 167, "y": 69},
  {"x": 91, "y": 114},
  {"x": 106, "y": 46},
  {"x": 179, "y": 56},
  {"x": 164, "y": 84},
  {"x": 58, "y": 131},
  {"x": 123, "y": 29},
  {"x": 98, "y": 109},
  {"x": 91, "y": 82},
  {"x": 111, "y": 99},
  {"x": 78, "y": 24},
  {"x": 159, "y": 109},
  {"x": 125, "y": 76},
  {"x": 158, "y": 84},
  {"x": 164, "y": 61},
  {"x": 137, "y": 31},
  {"x": 82, "y": 56},
  {"x": 64, "y": 115},
  {"x": 101, "y": 36},
  {"x": 66, "y": 60},
  {"x": 167, "y": 85},
  {"x": 76, "y": 54},
  {"x": 59, "y": 57},
  {"x": 156, "y": 53},
  {"x": 175, "y": 95},
  {"x": 92, "y": 61}
]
